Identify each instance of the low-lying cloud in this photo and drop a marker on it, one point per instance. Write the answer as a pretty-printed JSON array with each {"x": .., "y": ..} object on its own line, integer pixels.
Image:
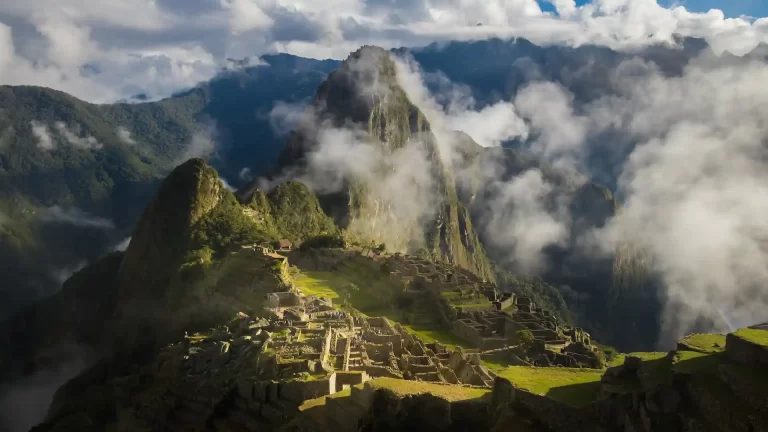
[
  {"x": 25, "y": 401},
  {"x": 43, "y": 135},
  {"x": 125, "y": 136},
  {"x": 85, "y": 143},
  {"x": 203, "y": 144},
  {"x": 74, "y": 216}
]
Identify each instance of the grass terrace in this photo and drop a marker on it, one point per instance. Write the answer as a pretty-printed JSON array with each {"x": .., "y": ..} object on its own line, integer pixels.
[
  {"x": 703, "y": 342},
  {"x": 452, "y": 393},
  {"x": 443, "y": 336},
  {"x": 575, "y": 387},
  {"x": 757, "y": 337}
]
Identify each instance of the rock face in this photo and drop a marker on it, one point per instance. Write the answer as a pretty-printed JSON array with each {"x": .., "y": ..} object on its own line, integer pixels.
[{"x": 406, "y": 196}]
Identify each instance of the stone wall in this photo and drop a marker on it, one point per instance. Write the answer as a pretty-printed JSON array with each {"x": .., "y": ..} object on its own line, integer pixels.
[
  {"x": 299, "y": 391},
  {"x": 350, "y": 378},
  {"x": 377, "y": 352},
  {"x": 745, "y": 352},
  {"x": 376, "y": 371}
]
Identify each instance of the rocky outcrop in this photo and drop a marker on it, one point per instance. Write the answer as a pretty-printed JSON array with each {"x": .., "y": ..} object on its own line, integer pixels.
[{"x": 364, "y": 96}]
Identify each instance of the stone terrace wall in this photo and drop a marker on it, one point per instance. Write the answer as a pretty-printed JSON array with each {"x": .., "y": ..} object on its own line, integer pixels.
[
  {"x": 745, "y": 352},
  {"x": 299, "y": 391}
]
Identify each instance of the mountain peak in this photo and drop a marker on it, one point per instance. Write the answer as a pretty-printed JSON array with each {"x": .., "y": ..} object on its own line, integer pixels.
[{"x": 161, "y": 238}]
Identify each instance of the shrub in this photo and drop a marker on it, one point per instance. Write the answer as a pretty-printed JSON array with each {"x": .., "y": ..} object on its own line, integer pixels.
[
  {"x": 525, "y": 337},
  {"x": 323, "y": 241}
]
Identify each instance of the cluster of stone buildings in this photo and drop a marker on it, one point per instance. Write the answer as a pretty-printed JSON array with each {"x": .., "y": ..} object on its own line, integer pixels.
[
  {"x": 310, "y": 339},
  {"x": 489, "y": 320}
]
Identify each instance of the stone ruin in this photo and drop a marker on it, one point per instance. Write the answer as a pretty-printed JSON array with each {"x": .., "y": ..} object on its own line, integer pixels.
[
  {"x": 474, "y": 309},
  {"x": 489, "y": 319}
]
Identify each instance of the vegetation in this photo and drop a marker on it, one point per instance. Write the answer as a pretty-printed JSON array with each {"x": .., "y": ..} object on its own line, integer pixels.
[
  {"x": 702, "y": 342},
  {"x": 291, "y": 211},
  {"x": 525, "y": 337},
  {"x": 609, "y": 352},
  {"x": 759, "y": 337},
  {"x": 323, "y": 241},
  {"x": 225, "y": 226},
  {"x": 452, "y": 393},
  {"x": 543, "y": 294},
  {"x": 575, "y": 387}
]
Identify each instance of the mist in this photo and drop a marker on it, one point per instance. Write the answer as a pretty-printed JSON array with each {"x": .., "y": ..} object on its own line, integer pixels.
[
  {"x": 24, "y": 402},
  {"x": 693, "y": 188}
]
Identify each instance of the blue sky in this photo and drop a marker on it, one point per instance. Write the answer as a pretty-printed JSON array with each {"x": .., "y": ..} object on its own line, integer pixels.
[{"x": 731, "y": 8}]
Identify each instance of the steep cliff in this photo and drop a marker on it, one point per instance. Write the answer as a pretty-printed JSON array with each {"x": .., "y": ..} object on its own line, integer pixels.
[{"x": 401, "y": 190}]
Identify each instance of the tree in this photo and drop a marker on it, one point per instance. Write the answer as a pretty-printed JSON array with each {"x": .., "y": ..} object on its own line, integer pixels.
[{"x": 525, "y": 337}]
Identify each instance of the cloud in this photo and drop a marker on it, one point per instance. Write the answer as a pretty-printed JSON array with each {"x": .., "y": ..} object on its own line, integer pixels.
[
  {"x": 175, "y": 44},
  {"x": 246, "y": 15},
  {"x": 202, "y": 145},
  {"x": 74, "y": 216},
  {"x": 43, "y": 135},
  {"x": 695, "y": 190},
  {"x": 25, "y": 401},
  {"x": 226, "y": 184},
  {"x": 525, "y": 217},
  {"x": 125, "y": 136},
  {"x": 558, "y": 133},
  {"x": 121, "y": 246},
  {"x": 245, "y": 175},
  {"x": 61, "y": 275},
  {"x": 84, "y": 143}
]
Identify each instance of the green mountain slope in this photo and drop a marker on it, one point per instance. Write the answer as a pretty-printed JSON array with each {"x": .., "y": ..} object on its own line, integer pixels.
[{"x": 107, "y": 160}]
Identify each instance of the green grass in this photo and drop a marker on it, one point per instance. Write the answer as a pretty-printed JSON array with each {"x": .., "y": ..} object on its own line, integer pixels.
[
  {"x": 574, "y": 387},
  {"x": 703, "y": 342},
  {"x": 373, "y": 290},
  {"x": 452, "y": 393},
  {"x": 758, "y": 337},
  {"x": 315, "y": 286},
  {"x": 694, "y": 362},
  {"x": 496, "y": 364},
  {"x": 435, "y": 334}
]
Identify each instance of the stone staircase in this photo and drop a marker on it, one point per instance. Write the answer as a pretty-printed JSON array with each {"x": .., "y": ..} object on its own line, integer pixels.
[{"x": 355, "y": 359}]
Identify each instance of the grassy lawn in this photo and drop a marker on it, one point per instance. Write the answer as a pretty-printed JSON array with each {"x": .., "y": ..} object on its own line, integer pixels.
[
  {"x": 441, "y": 335},
  {"x": 703, "y": 342},
  {"x": 372, "y": 292},
  {"x": 496, "y": 364},
  {"x": 313, "y": 286},
  {"x": 758, "y": 337},
  {"x": 575, "y": 387},
  {"x": 451, "y": 393}
]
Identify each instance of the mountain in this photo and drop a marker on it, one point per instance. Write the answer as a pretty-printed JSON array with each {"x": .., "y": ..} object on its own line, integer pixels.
[
  {"x": 75, "y": 176},
  {"x": 363, "y": 96}
]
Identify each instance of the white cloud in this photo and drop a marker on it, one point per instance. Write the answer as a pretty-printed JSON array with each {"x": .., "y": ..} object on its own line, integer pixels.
[
  {"x": 245, "y": 174},
  {"x": 121, "y": 246},
  {"x": 246, "y": 15},
  {"x": 85, "y": 143},
  {"x": 74, "y": 216},
  {"x": 173, "y": 44},
  {"x": 43, "y": 135},
  {"x": 201, "y": 145},
  {"x": 525, "y": 217},
  {"x": 226, "y": 184},
  {"x": 62, "y": 274},
  {"x": 125, "y": 136}
]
